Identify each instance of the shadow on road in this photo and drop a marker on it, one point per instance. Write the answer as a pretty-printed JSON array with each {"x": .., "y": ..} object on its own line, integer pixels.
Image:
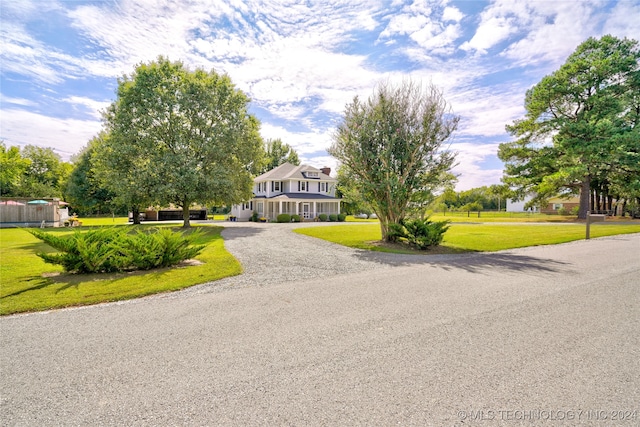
[
  {"x": 230, "y": 233},
  {"x": 474, "y": 263}
]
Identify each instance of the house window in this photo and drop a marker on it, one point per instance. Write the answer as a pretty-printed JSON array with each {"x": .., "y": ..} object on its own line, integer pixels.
[
  {"x": 276, "y": 186},
  {"x": 557, "y": 206},
  {"x": 303, "y": 186},
  {"x": 312, "y": 174},
  {"x": 323, "y": 187}
]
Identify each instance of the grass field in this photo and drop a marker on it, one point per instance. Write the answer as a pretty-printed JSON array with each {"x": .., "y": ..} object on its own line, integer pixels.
[
  {"x": 29, "y": 284},
  {"x": 472, "y": 237}
]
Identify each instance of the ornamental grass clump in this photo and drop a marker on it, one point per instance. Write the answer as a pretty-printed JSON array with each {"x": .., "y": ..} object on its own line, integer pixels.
[{"x": 114, "y": 249}]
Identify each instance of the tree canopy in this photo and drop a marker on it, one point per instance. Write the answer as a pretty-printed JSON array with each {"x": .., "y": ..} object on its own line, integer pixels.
[
  {"x": 84, "y": 191},
  {"x": 32, "y": 171},
  {"x": 391, "y": 148},
  {"x": 175, "y": 136},
  {"x": 277, "y": 153},
  {"x": 580, "y": 130}
]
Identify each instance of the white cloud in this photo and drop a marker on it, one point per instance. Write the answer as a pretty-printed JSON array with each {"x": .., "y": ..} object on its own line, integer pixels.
[
  {"x": 492, "y": 30},
  {"x": 4, "y": 100},
  {"x": 66, "y": 136},
  {"x": 427, "y": 24},
  {"x": 485, "y": 112},
  {"x": 553, "y": 31},
  {"x": 623, "y": 20},
  {"x": 93, "y": 107},
  {"x": 452, "y": 13},
  {"x": 469, "y": 170}
]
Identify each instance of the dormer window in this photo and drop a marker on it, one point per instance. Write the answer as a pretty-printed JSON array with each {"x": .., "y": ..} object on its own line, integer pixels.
[{"x": 311, "y": 174}]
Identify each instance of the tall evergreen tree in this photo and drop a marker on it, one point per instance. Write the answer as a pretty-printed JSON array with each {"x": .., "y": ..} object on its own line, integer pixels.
[{"x": 580, "y": 124}]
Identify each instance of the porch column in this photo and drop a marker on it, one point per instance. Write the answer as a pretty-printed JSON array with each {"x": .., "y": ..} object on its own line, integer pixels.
[
  {"x": 314, "y": 210},
  {"x": 338, "y": 207},
  {"x": 297, "y": 207},
  {"x": 279, "y": 207}
]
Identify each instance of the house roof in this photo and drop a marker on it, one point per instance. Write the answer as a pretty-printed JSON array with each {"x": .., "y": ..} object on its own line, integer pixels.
[
  {"x": 288, "y": 171},
  {"x": 298, "y": 196}
]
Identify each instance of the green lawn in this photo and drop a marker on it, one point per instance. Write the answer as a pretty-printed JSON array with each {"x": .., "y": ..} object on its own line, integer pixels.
[
  {"x": 29, "y": 284},
  {"x": 473, "y": 237}
]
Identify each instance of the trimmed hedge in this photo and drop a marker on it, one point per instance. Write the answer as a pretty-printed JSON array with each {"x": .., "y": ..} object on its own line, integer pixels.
[
  {"x": 342, "y": 217},
  {"x": 322, "y": 217},
  {"x": 283, "y": 218},
  {"x": 295, "y": 218},
  {"x": 333, "y": 217}
]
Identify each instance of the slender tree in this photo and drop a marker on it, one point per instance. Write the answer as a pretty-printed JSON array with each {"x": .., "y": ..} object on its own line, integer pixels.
[
  {"x": 181, "y": 136},
  {"x": 578, "y": 123},
  {"x": 392, "y": 147}
]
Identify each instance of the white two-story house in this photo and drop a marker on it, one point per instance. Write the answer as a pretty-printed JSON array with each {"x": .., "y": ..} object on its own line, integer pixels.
[{"x": 296, "y": 190}]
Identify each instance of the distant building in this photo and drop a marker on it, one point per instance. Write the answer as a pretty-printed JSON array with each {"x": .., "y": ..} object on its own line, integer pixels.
[
  {"x": 296, "y": 190},
  {"x": 554, "y": 204}
]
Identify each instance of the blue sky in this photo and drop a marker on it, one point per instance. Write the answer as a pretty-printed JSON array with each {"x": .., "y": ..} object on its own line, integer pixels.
[{"x": 300, "y": 62}]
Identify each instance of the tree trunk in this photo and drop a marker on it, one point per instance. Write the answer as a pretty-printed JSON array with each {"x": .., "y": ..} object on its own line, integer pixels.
[
  {"x": 135, "y": 212},
  {"x": 185, "y": 216},
  {"x": 585, "y": 189}
]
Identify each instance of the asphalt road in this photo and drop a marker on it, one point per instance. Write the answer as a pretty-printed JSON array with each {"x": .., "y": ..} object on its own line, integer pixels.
[{"x": 537, "y": 336}]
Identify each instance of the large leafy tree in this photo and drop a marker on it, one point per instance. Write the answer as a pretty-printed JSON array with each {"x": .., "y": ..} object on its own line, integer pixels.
[
  {"x": 179, "y": 136},
  {"x": 391, "y": 146},
  {"x": 277, "y": 153},
  {"x": 580, "y": 125}
]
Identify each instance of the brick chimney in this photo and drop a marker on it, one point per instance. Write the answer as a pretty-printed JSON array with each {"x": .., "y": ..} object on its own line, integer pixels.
[{"x": 325, "y": 170}]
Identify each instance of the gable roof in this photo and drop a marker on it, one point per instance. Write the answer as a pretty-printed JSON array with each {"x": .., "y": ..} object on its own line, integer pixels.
[{"x": 288, "y": 171}]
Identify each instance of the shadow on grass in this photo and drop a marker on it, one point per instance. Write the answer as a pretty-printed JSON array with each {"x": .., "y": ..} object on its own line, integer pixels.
[
  {"x": 472, "y": 262},
  {"x": 39, "y": 282}
]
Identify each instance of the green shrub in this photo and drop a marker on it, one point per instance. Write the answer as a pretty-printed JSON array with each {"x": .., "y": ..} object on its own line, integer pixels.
[
  {"x": 295, "y": 218},
  {"x": 113, "y": 249},
  {"x": 322, "y": 217},
  {"x": 341, "y": 217},
  {"x": 254, "y": 217},
  {"x": 395, "y": 232},
  {"x": 423, "y": 233},
  {"x": 333, "y": 217},
  {"x": 283, "y": 218},
  {"x": 563, "y": 211}
]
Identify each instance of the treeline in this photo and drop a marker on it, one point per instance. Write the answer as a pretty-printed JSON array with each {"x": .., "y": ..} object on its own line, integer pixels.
[{"x": 493, "y": 198}]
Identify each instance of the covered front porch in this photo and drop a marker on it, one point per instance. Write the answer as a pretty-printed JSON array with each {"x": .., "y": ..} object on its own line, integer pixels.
[{"x": 307, "y": 209}]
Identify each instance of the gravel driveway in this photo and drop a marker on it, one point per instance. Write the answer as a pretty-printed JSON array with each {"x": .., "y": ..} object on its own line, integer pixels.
[{"x": 273, "y": 253}]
